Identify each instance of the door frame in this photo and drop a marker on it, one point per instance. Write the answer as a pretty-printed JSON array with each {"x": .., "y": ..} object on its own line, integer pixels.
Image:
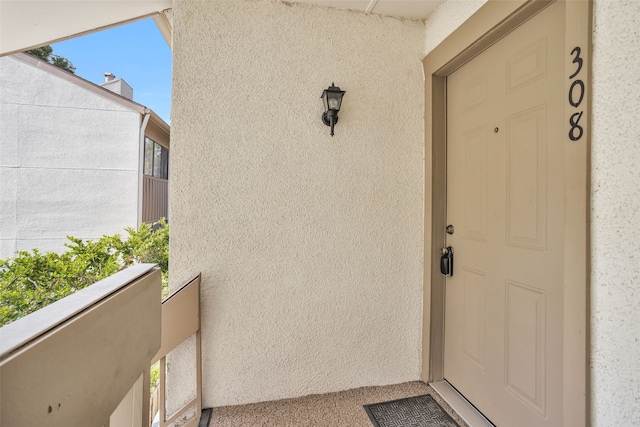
[{"x": 493, "y": 21}]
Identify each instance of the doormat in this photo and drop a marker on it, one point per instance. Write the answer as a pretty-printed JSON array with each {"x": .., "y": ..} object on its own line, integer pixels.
[{"x": 418, "y": 411}]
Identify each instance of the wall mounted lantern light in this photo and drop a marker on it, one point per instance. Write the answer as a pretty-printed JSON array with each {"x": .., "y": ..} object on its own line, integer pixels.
[{"x": 332, "y": 98}]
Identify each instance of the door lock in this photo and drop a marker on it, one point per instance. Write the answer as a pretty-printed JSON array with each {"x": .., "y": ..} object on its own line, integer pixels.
[{"x": 446, "y": 262}]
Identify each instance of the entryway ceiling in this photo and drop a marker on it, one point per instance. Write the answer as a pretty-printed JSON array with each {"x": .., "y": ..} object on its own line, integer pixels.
[
  {"x": 27, "y": 24},
  {"x": 411, "y": 9}
]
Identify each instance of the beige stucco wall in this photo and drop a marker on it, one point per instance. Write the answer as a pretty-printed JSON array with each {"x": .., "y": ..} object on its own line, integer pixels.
[
  {"x": 310, "y": 247},
  {"x": 615, "y": 224}
]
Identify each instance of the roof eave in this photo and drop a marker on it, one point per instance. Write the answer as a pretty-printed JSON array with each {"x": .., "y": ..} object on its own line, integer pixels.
[{"x": 85, "y": 84}]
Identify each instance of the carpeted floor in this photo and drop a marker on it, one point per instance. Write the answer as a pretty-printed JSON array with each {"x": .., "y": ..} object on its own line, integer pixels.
[{"x": 344, "y": 408}]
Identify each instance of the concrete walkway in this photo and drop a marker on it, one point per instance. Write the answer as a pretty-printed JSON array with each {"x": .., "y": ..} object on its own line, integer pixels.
[{"x": 327, "y": 410}]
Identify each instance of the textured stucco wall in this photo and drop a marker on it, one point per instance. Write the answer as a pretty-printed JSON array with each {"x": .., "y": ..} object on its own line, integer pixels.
[
  {"x": 310, "y": 247},
  {"x": 68, "y": 161},
  {"x": 615, "y": 226}
]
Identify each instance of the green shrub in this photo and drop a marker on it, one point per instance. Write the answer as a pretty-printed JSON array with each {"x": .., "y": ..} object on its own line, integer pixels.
[
  {"x": 33, "y": 280},
  {"x": 154, "y": 377}
]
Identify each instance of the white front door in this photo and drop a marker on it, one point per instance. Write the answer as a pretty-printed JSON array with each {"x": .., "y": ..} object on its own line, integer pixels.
[{"x": 505, "y": 199}]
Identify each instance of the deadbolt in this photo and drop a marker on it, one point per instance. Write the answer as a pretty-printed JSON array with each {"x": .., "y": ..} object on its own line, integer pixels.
[{"x": 449, "y": 229}]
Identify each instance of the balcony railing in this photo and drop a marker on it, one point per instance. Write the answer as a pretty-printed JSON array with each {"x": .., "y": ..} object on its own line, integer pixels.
[
  {"x": 84, "y": 360},
  {"x": 180, "y": 320}
]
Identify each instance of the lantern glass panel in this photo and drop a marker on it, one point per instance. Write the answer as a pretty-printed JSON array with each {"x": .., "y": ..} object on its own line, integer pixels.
[{"x": 334, "y": 102}]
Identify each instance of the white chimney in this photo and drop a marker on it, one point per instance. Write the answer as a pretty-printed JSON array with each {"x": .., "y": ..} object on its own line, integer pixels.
[{"x": 118, "y": 86}]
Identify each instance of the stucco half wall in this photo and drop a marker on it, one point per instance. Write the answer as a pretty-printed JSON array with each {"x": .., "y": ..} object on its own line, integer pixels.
[{"x": 310, "y": 247}]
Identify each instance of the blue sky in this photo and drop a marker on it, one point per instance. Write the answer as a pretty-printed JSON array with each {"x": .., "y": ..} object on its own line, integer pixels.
[{"x": 136, "y": 52}]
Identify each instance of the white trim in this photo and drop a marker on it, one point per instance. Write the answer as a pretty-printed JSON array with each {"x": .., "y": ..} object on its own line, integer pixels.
[
  {"x": 370, "y": 7},
  {"x": 143, "y": 128},
  {"x": 164, "y": 25}
]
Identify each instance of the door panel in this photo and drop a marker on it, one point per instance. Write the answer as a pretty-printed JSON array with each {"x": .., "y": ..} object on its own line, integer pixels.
[
  {"x": 525, "y": 342},
  {"x": 527, "y": 179},
  {"x": 505, "y": 198}
]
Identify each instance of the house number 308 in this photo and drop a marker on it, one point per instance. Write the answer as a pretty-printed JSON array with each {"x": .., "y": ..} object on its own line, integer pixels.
[{"x": 576, "y": 95}]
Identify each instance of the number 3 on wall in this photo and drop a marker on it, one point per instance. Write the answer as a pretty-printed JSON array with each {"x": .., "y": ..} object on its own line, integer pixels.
[{"x": 576, "y": 95}]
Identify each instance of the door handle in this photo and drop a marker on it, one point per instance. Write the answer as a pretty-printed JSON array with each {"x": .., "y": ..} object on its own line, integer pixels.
[{"x": 446, "y": 262}]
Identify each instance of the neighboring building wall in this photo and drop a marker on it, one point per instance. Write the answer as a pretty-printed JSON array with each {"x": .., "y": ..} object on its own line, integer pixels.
[
  {"x": 615, "y": 210},
  {"x": 615, "y": 215},
  {"x": 68, "y": 161},
  {"x": 310, "y": 247}
]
